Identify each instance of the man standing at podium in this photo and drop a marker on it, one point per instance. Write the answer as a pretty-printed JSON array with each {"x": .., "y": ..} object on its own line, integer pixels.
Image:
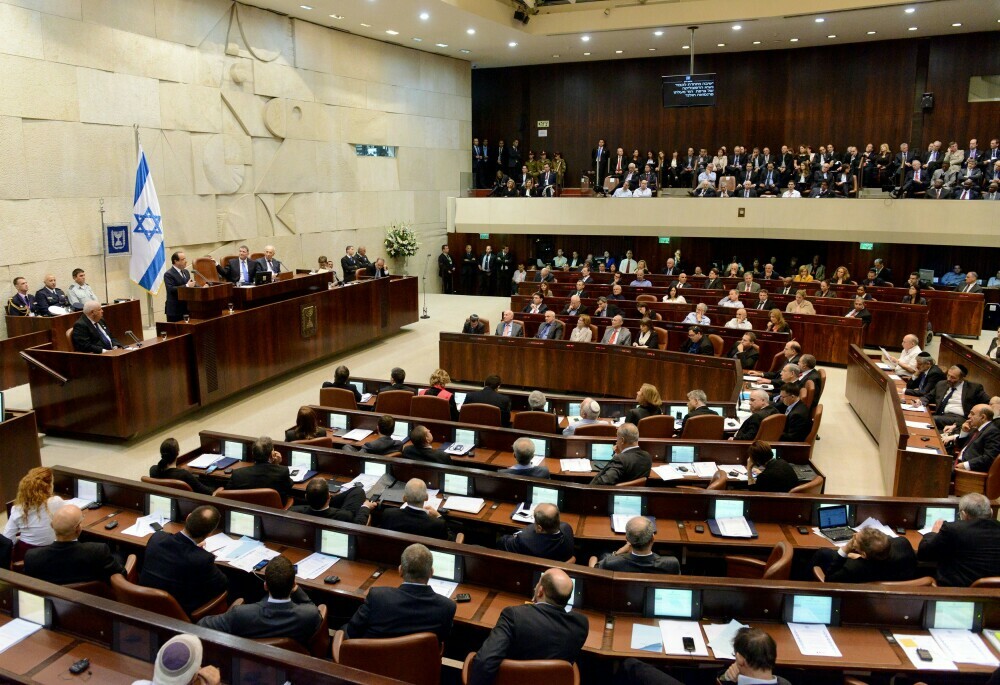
[
  {"x": 177, "y": 276},
  {"x": 238, "y": 271},
  {"x": 268, "y": 262},
  {"x": 90, "y": 333}
]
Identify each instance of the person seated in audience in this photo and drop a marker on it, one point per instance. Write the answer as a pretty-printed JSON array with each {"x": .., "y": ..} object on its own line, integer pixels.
[
  {"x": 906, "y": 363},
  {"x": 179, "y": 565},
  {"x": 643, "y": 190},
  {"x": 822, "y": 190},
  {"x": 306, "y": 428},
  {"x": 697, "y": 403},
  {"x": 713, "y": 282},
  {"x": 977, "y": 444},
  {"x": 474, "y": 326},
  {"x": 734, "y": 270},
  {"x": 766, "y": 472},
  {"x": 348, "y": 505},
  {"x": 605, "y": 309},
  {"x": 508, "y": 328},
  {"x": 648, "y": 399},
  {"x": 550, "y": 329},
  {"x": 764, "y": 302},
  {"x": 870, "y": 556},
  {"x": 267, "y": 470},
  {"x": 622, "y": 190},
  {"x": 647, "y": 336},
  {"x": 415, "y": 517},
  {"x": 704, "y": 189},
  {"x": 971, "y": 284},
  {"x": 789, "y": 373},
  {"x": 287, "y": 611},
  {"x": 537, "y": 401},
  {"x": 29, "y": 523},
  {"x": 616, "y": 333},
  {"x": 971, "y": 172},
  {"x": 674, "y": 296},
  {"x": 21, "y": 303},
  {"x": 761, "y": 407},
  {"x": 636, "y": 555},
  {"x": 421, "y": 447},
  {"x": 80, "y": 292},
  {"x": 67, "y": 560},
  {"x": 992, "y": 192},
  {"x": 698, "y": 316},
  {"x": 841, "y": 276},
  {"x": 544, "y": 275},
  {"x": 955, "y": 277},
  {"x": 825, "y": 290},
  {"x": 645, "y": 312},
  {"x": 787, "y": 287},
  {"x": 581, "y": 290},
  {"x": 167, "y": 467},
  {"x": 860, "y": 311},
  {"x": 791, "y": 351},
  {"x": 546, "y": 538},
  {"x": 791, "y": 190},
  {"x": 697, "y": 342},
  {"x": 582, "y": 332},
  {"x": 743, "y": 191},
  {"x": 49, "y": 296},
  {"x": 341, "y": 379},
  {"x": 540, "y": 630},
  {"x": 798, "y": 421},
  {"x": 954, "y": 397},
  {"x": 524, "y": 452},
  {"x": 768, "y": 182},
  {"x": 91, "y": 334},
  {"x": 640, "y": 280},
  {"x": 574, "y": 307},
  {"x": 732, "y": 300},
  {"x": 800, "y": 305},
  {"x": 398, "y": 376},
  {"x": 501, "y": 185},
  {"x": 967, "y": 549},
  {"x": 746, "y": 350},
  {"x": 629, "y": 462},
  {"x": 384, "y": 443},
  {"x": 413, "y": 607},
  {"x": 740, "y": 320},
  {"x": 437, "y": 382},
  {"x": 489, "y": 395},
  {"x": 537, "y": 305},
  {"x": 926, "y": 376},
  {"x": 803, "y": 275},
  {"x": 863, "y": 293},
  {"x": 559, "y": 261},
  {"x": 938, "y": 191},
  {"x": 872, "y": 280},
  {"x": 616, "y": 292},
  {"x": 590, "y": 412}
]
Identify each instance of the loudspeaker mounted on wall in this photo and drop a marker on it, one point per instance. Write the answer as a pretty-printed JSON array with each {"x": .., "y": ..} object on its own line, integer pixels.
[
  {"x": 927, "y": 101},
  {"x": 521, "y": 16}
]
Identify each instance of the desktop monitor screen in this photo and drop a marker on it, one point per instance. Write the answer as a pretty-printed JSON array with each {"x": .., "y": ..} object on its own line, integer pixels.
[
  {"x": 954, "y": 615},
  {"x": 541, "y": 446},
  {"x": 232, "y": 449},
  {"x": 358, "y": 385},
  {"x": 573, "y": 409},
  {"x": 460, "y": 398},
  {"x": 678, "y": 411},
  {"x": 134, "y": 641},
  {"x": 447, "y": 566},
  {"x": 239, "y": 523},
  {"x": 301, "y": 460},
  {"x": 88, "y": 490},
  {"x": 335, "y": 544},
  {"x": 826, "y": 517},
  {"x": 664, "y": 602},
  {"x": 682, "y": 454},
  {"x": 166, "y": 507},
  {"x": 575, "y": 599},
  {"x": 455, "y": 484},
  {"x": 628, "y": 505},
  {"x": 602, "y": 451},
  {"x": 338, "y": 422},
  {"x": 929, "y": 515},
  {"x": 3, "y": 415},
  {"x": 401, "y": 431},
  {"x": 464, "y": 436},
  {"x": 811, "y": 609},
  {"x": 543, "y": 495},
  {"x": 31, "y": 607},
  {"x": 724, "y": 508},
  {"x": 718, "y": 409},
  {"x": 373, "y": 468}
]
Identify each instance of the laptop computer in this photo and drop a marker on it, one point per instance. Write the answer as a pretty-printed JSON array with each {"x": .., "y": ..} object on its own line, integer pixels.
[{"x": 833, "y": 523}]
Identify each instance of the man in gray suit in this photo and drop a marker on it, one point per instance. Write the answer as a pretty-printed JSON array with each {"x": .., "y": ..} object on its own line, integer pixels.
[
  {"x": 970, "y": 285},
  {"x": 509, "y": 328},
  {"x": 551, "y": 328},
  {"x": 617, "y": 334}
]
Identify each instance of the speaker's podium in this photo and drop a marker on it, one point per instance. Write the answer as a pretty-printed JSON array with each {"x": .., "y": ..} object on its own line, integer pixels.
[{"x": 207, "y": 301}]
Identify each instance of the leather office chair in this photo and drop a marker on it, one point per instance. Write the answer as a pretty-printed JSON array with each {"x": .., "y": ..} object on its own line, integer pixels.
[
  {"x": 225, "y": 260},
  {"x": 637, "y": 483},
  {"x": 925, "y": 581},
  {"x": 778, "y": 361},
  {"x": 361, "y": 274},
  {"x": 319, "y": 642},
  {"x": 254, "y": 256},
  {"x": 523, "y": 329},
  {"x": 163, "y": 603},
  {"x": 337, "y": 398},
  {"x": 716, "y": 341},
  {"x": 984, "y": 483},
  {"x": 548, "y": 671},
  {"x": 771, "y": 428},
  {"x": 205, "y": 269},
  {"x": 597, "y": 430},
  {"x": 660, "y": 426},
  {"x": 807, "y": 393},
  {"x": 429, "y": 407},
  {"x": 393, "y": 402},
  {"x": 482, "y": 414},
  {"x": 101, "y": 589},
  {"x": 645, "y": 297},
  {"x": 536, "y": 422},
  {"x": 663, "y": 336},
  {"x": 168, "y": 483},
  {"x": 813, "y": 487},
  {"x": 69, "y": 338},
  {"x": 315, "y": 442},
  {"x": 704, "y": 428},
  {"x": 777, "y": 567},
  {"x": 817, "y": 419},
  {"x": 990, "y": 582},
  {"x": 593, "y": 333},
  {"x": 720, "y": 481},
  {"x": 262, "y": 497},
  {"x": 412, "y": 658}
]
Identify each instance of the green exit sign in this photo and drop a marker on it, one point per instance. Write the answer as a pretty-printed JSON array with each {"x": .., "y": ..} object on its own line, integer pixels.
[
  {"x": 868, "y": 246},
  {"x": 664, "y": 240},
  {"x": 486, "y": 236}
]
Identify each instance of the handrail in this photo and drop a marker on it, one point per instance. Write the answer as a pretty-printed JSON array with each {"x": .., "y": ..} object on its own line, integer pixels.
[{"x": 31, "y": 360}]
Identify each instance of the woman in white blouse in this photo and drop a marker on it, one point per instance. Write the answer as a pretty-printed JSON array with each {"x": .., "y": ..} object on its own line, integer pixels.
[
  {"x": 720, "y": 161},
  {"x": 582, "y": 332},
  {"x": 740, "y": 320},
  {"x": 30, "y": 522},
  {"x": 673, "y": 297}
]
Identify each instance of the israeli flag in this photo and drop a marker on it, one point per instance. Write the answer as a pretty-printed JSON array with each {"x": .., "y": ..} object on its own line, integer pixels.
[{"x": 149, "y": 258}]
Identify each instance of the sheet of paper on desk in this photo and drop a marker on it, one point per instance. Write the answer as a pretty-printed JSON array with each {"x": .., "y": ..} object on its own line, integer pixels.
[
  {"x": 237, "y": 548},
  {"x": 922, "y": 450},
  {"x": 141, "y": 528},
  {"x": 993, "y": 635},
  {"x": 15, "y": 631},
  {"x": 895, "y": 377},
  {"x": 883, "y": 365},
  {"x": 365, "y": 396},
  {"x": 204, "y": 461},
  {"x": 734, "y": 527},
  {"x": 217, "y": 542},
  {"x": 365, "y": 480},
  {"x": 752, "y": 379},
  {"x": 739, "y": 469},
  {"x": 964, "y": 647},
  {"x": 646, "y": 638},
  {"x": 720, "y": 637},
  {"x": 78, "y": 502},
  {"x": 910, "y": 407},
  {"x": 314, "y": 565},
  {"x": 253, "y": 557},
  {"x": 673, "y": 632},
  {"x": 871, "y": 522},
  {"x": 704, "y": 469},
  {"x": 356, "y": 434},
  {"x": 918, "y": 424},
  {"x": 910, "y": 645},
  {"x": 575, "y": 465},
  {"x": 469, "y": 505},
  {"x": 668, "y": 472},
  {"x": 445, "y": 588},
  {"x": 537, "y": 461},
  {"x": 814, "y": 639}
]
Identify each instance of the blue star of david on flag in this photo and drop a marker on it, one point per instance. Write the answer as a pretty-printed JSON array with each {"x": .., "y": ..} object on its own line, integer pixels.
[
  {"x": 149, "y": 257},
  {"x": 141, "y": 226}
]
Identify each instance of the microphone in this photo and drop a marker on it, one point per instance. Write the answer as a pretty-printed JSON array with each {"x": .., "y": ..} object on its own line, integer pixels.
[
  {"x": 424, "y": 280},
  {"x": 336, "y": 277},
  {"x": 138, "y": 343}
]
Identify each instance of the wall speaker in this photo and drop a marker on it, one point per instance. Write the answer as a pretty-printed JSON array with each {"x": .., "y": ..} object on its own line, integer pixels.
[
  {"x": 927, "y": 101},
  {"x": 521, "y": 16}
]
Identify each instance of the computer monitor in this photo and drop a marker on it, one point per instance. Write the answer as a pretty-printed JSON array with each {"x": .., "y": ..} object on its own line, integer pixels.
[
  {"x": 233, "y": 449},
  {"x": 246, "y": 670},
  {"x": 929, "y": 515},
  {"x": 541, "y": 446},
  {"x": 539, "y": 494},
  {"x": 573, "y": 409},
  {"x": 718, "y": 409},
  {"x": 166, "y": 507},
  {"x": 298, "y": 459},
  {"x": 465, "y": 436},
  {"x": 954, "y": 615},
  {"x": 811, "y": 609},
  {"x": 455, "y": 484},
  {"x": 447, "y": 566},
  {"x": 927, "y": 275},
  {"x": 401, "y": 431},
  {"x": 575, "y": 598},
  {"x": 678, "y": 411},
  {"x": 3, "y": 414},
  {"x": 831, "y": 517},
  {"x": 33, "y": 608},
  {"x": 374, "y": 468},
  {"x": 726, "y": 507},
  {"x": 460, "y": 398},
  {"x": 134, "y": 641},
  {"x": 662, "y": 602},
  {"x": 831, "y": 505},
  {"x": 682, "y": 454},
  {"x": 358, "y": 385},
  {"x": 627, "y": 505},
  {"x": 339, "y": 422},
  {"x": 335, "y": 544},
  {"x": 88, "y": 490},
  {"x": 262, "y": 277},
  {"x": 242, "y": 524},
  {"x": 602, "y": 451}
]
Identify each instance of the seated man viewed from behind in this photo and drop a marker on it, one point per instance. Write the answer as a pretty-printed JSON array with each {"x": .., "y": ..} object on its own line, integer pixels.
[
  {"x": 967, "y": 549},
  {"x": 636, "y": 555}
]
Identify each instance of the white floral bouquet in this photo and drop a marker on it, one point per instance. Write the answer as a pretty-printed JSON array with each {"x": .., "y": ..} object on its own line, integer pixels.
[{"x": 401, "y": 241}]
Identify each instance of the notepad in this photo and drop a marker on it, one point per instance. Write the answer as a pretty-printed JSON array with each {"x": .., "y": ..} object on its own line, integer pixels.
[
  {"x": 884, "y": 366},
  {"x": 911, "y": 643},
  {"x": 247, "y": 562},
  {"x": 646, "y": 638},
  {"x": 356, "y": 434},
  {"x": 734, "y": 527},
  {"x": 964, "y": 647},
  {"x": 314, "y": 565},
  {"x": 910, "y": 407},
  {"x": 673, "y": 633},
  {"x": 575, "y": 465},
  {"x": 814, "y": 639},
  {"x": 469, "y": 505},
  {"x": 141, "y": 528},
  {"x": 872, "y": 522},
  {"x": 704, "y": 469},
  {"x": 923, "y": 450},
  {"x": 918, "y": 424},
  {"x": 217, "y": 542},
  {"x": 204, "y": 461},
  {"x": 524, "y": 513},
  {"x": 720, "y": 637},
  {"x": 667, "y": 472},
  {"x": 445, "y": 588},
  {"x": 14, "y": 631}
]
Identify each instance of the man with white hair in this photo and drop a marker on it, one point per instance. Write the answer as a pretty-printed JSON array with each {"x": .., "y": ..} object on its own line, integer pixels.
[
  {"x": 268, "y": 262},
  {"x": 967, "y": 549},
  {"x": 524, "y": 452},
  {"x": 90, "y": 333},
  {"x": 761, "y": 406},
  {"x": 698, "y": 316},
  {"x": 415, "y": 517},
  {"x": 590, "y": 411},
  {"x": 629, "y": 462},
  {"x": 697, "y": 406},
  {"x": 636, "y": 555},
  {"x": 906, "y": 362}
]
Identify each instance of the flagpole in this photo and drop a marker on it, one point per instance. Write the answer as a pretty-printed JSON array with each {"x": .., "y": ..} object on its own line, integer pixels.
[
  {"x": 104, "y": 241},
  {"x": 149, "y": 298}
]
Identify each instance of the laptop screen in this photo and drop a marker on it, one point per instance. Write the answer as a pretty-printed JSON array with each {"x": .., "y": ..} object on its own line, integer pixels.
[
  {"x": 300, "y": 460},
  {"x": 682, "y": 454},
  {"x": 602, "y": 451},
  {"x": 832, "y": 517},
  {"x": 573, "y": 409}
]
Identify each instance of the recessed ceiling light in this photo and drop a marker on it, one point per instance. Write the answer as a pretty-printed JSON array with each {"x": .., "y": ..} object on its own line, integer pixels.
[
  {"x": 441, "y": 45},
  {"x": 585, "y": 38},
  {"x": 336, "y": 16},
  {"x": 464, "y": 52},
  {"x": 957, "y": 24},
  {"x": 736, "y": 27},
  {"x": 419, "y": 40},
  {"x": 832, "y": 35},
  {"x": 793, "y": 40},
  {"x": 424, "y": 16},
  {"x": 871, "y": 33},
  {"x": 512, "y": 44},
  {"x": 618, "y": 52},
  {"x": 586, "y": 54},
  {"x": 756, "y": 42},
  {"x": 652, "y": 49},
  {"x": 555, "y": 56},
  {"x": 722, "y": 45},
  {"x": 657, "y": 33},
  {"x": 391, "y": 32},
  {"x": 685, "y": 47},
  {"x": 912, "y": 28},
  {"x": 471, "y": 32},
  {"x": 910, "y": 10},
  {"x": 305, "y": 7},
  {"x": 820, "y": 20},
  {"x": 367, "y": 26}
]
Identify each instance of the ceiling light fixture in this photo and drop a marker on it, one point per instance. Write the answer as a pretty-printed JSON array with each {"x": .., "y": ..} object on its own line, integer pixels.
[
  {"x": 832, "y": 35},
  {"x": 736, "y": 27},
  {"x": 441, "y": 45},
  {"x": 756, "y": 42},
  {"x": 585, "y": 38},
  {"x": 305, "y": 7},
  {"x": 652, "y": 49},
  {"x": 657, "y": 33},
  {"x": 464, "y": 52},
  {"x": 722, "y": 45},
  {"x": 819, "y": 20},
  {"x": 685, "y": 47},
  {"x": 871, "y": 33},
  {"x": 586, "y": 54},
  {"x": 794, "y": 40},
  {"x": 512, "y": 44},
  {"x": 336, "y": 16},
  {"x": 367, "y": 26},
  {"x": 912, "y": 28},
  {"x": 555, "y": 56},
  {"x": 424, "y": 16},
  {"x": 957, "y": 24},
  {"x": 391, "y": 32},
  {"x": 419, "y": 40},
  {"x": 910, "y": 10},
  {"x": 618, "y": 52},
  {"x": 471, "y": 32}
]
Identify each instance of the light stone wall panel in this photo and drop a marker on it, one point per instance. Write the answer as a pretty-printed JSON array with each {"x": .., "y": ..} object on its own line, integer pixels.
[
  {"x": 38, "y": 90},
  {"x": 136, "y": 99},
  {"x": 292, "y": 169},
  {"x": 133, "y": 16},
  {"x": 141, "y": 55},
  {"x": 74, "y": 42},
  {"x": 269, "y": 34},
  {"x": 13, "y": 184},
  {"x": 190, "y": 108},
  {"x": 92, "y": 159},
  {"x": 248, "y": 111},
  {"x": 190, "y": 220},
  {"x": 280, "y": 81},
  {"x": 64, "y": 8},
  {"x": 344, "y": 91},
  {"x": 189, "y": 21},
  {"x": 22, "y": 32}
]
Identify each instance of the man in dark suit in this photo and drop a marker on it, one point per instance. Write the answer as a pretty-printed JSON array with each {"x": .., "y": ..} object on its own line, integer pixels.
[
  {"x": 537, "y": 305},
  {"x": 760, "y": 405},
  {"x": 414, "y": 517},
  {"x": 604, "y": 309},
  {"x": 574, "y": 307},
  {"x": 697, "y": 406},
  {"x": 629, "y": 462},
  {"x": 504, "y": 271},
  {"x": 384, "y": 443},
  {"x": 266, "y": 472},
  {"x": 413, "y": 607},
  {"x": 928, "y": 375},
  {"x": 50, "y": 296},
  {"x": 268, "y": 262},
  {"x": 489, "y": 395},
  {"x": 67, "y": 560},
  {"x": 524, "y": 452},
  {"x": 22, "y": 303},
  {"x": 287, "y": 610},
  {"x": 514, "y": 158},
  {"x": 349, "y": 264},
  {"x": 697, "y": 342},
  {"x": 397, "y": 376},
  {"x": 551, "y": 328},
  {"x": 860, "y": 311},
  {"x": 967, "y": 191},
  {"x": 636, "y": 555},
  {"x": 238, "y": 270},
  {"x": 177, "y": 276},
  {"x": 349, "y": 505},
  {"x": 798, "y": 422},
  {"x": 967, "y": 549},
  {"x": 764, "y": 302},
  {"x": 937, "y": 191},
  {"x": 487, "y": 272},
  {"x": 970, "y": 285},
  {"x": 600, "y": 161},
  {"x": 361, "y": 257},
  {"x": 90, "y": 333},
  {"x": 978, "y": 443},
  {"x": 179, "y": 565},
  {"x": 870, "y": 556},
  {"x": 954, "y": 397},
  {"x": 541, "y": 630},
  {"x": 469, "y": 269},
  {"x": 546, "y": 538},
  {"x": 446, "y": 271},
  {"x": 421, "y": 448},
  {"x": 807, "y": 366},
  {"x": 792, "y": 351}
]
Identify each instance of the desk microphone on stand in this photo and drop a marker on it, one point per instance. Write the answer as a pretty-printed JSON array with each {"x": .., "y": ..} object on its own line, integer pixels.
[
  {"x": 426, "y": 263},
  {"x": 138, "y": 343}
]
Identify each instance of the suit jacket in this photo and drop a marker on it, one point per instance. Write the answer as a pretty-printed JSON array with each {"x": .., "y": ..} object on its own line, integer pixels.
[
  {"x": 428, "y": 454},
  {"x": 704, "y": 346},
  {"x": 777, "y": 476},
  {"x": 624, "y": 336},
  {"x": 404, "y": 610},
  {"x": 923, "y": 383},
  {"x": 768, "y": 305},
  {"x": 697, "y": 411},
  {"x": 639, "y": 412},
  {"x": 414, "y": 522},
  {"x": 45, "y": 299},
  {"x": 445, "y": 264},
  {"x": 750, "y": 427},
  {"x": 901, "y": 565},
  {"x": 349, "y": 265},
  {"x": 611, "y": 312},
  {"x": 567, "y": 311},
  {"x": 632, "y": 563},
  {"x": 982, "y": 447},
  {"x": 19, "y": 305},
  {"x": 383, "y": 444},
  {"x": 173, "y": 280},
  {"x": 557, "y": 547},
  {"x": 232, "y": 271},
  {"x": 972, "y": 394},
  {"x": 864, "y": 315},
  {"x": 964, "y": 288},
  {"x": 261, "y": 265},
  {"x": 492, "y": 397},
  {"x": 344, "y": 506},
  {"x": 274, "y": 476},
  {"x": 529, "y": 472},
  {"x": 555, "y": 331},
  {"x": 965, "y": 551},
  {"x": 86, "y": 337},
  {"x": 716, "y": 284},
  {"x": 516, "y": 331},
  {"x": 625, "y": 466},
  {"x": 175, "y": 564},
  {"x": 542, "y": 308},
  {"x": 71, "y": 562},
  {"x": 754, "y": 287},
  {"x": 798, "y": 423},
  {"x": 297, "y": 619},
  {"x": 957, "y": 193},
  {"x": 814, "y": 376},
  {"x": 183, "y": 475},
  {"x": 941, "y": 193},
  {"x": 527, "y": 632}
]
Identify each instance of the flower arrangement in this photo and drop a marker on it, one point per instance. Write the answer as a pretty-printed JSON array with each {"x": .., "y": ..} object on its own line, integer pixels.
[{"x": 400, "y": 241}]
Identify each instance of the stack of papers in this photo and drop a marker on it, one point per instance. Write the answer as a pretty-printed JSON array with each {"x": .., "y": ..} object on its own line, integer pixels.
[
  {"x": 537, "y": 461},
  {"x": 814, "y": 639},
  {"x": 365, "y": 480},
  {"x": 315, "y": 565},
  {"x": 721, "y": 636},
  {"x": 734, "y": 527},
  {"x": 469, "y": 505},
  {"x": 246, "y": 562},
  {"x": 871, "y": 522},
  {"x": 672, "y": 633},
  {"x": 910, "y": 407},
  {"x": 356, "y": 434},
  {"x": 15, "y": 631},
  {"x": 647, "y": 638},
  {"x": 237, "y": 548},
  {"x": 668, "y": 472},
  {"x": 141, "y": 528},
  {"x": 524, "y": 513},
  {"x": 619, "y": 521},
  {"x": 964, "y": 647},
  {"x": 445, "y": 588},
  {"x": 918, "y": 424},
  {"x": 217, "y": 542},
  {"x": 365, "y": 396},
  {"x": 923, "y": 450},
  {"x": 79, "y": 502},
  {"x": 204, "y": 461},
  {"x": 704, "y": 469},
  {"x": 883, "y": 365},
  {"x": 575, "y": 465},
  {"x": 910, "y": 645}
]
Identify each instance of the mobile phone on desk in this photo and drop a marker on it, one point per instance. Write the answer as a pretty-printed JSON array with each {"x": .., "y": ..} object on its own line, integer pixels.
[
  {"x": 924, "y": 655},
  {"x": 260, "y": 565},
  {"x": 156, "y": 526},
  {"x": 211, "y": 469},
  {"x": 688, "y": 644}
]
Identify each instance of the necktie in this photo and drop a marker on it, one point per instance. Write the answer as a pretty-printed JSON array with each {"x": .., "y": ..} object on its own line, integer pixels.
[
  {"x": 769, "y": 178},
  {"x": 619, "y": 167},
  {"x": 965, "y": 195},
  {"x": 968, "y": 288},
  {"x": 506, "y": 330},
  {"x": 944, "y": 402},
  {"x": 104, "y": 335},
  {"x": 614, "y": 337},
  {"x": 850, "y": 314},
  {"x": 269, "y": 267},
  {"x": 972, "y": 439},
  {"x": 746, "y": 193},
  {"x": 917, "y": 177},
  {"x": 244, "y": 276},
  {"x": 534, "y": 309},
  {"x": 747, "y": 288},
  {"x": 543, "y": 332}
]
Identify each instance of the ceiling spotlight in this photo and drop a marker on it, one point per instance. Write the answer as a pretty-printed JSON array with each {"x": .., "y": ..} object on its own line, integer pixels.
[
  {"x": 305, "y": 7},
  {"x": 912, "y": 28},
  {"x": 794, "y": 40},
  {"x": 657, "y": 33},
  {"x": 685, "y": 47},
  {"x": 722, "y": 45},
  {"x": 652, "y": 49},
  {"x": 512, "y": 44},
  {"x": 832, "y": 35},
  {"x": 586, "y": 54},
  {"x": 441, "y": 45},
  {"x": 910, "y": 10},
  {"x": 618, "y": 52},
  {"x": 756, "y": 42},
  {"x": 419, "y": 40},
  {"x": 391, "y": 32},
  {"x": 367, "y": 26},
  {"x": 464, "y": 52},
  {"x": 471, "y": 32},
  {"x": 957, "y": 24},
  {"x": 736, "y": 27},
  {"x": 871, "y": 33},
  {"x": 337, "y": 16},
  {"x": 424, "y": 16},
  {"x": 555, "y": 56},
  {"x": 820, "y": 20},
  {"x": 585, "y": 38}
]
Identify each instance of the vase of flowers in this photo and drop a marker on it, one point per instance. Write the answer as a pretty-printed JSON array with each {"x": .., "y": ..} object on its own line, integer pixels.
[{"x": 400, "y": 244}]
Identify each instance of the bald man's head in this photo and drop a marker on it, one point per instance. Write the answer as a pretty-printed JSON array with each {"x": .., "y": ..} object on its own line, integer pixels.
[
  {"x": 547, "y": 519},
  {"x": 66, "y": 522},
  {"x": 554, "y": 587}
]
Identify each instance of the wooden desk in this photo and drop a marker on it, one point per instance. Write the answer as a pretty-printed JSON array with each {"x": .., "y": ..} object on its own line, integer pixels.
[
  {"x": 120, "y": 317},
  {"x": 982, "y": 369},
  {"x": 586, "y": 367},
  {"x": 13, "y": 369},
  {"x": 19, "y": 437}
]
